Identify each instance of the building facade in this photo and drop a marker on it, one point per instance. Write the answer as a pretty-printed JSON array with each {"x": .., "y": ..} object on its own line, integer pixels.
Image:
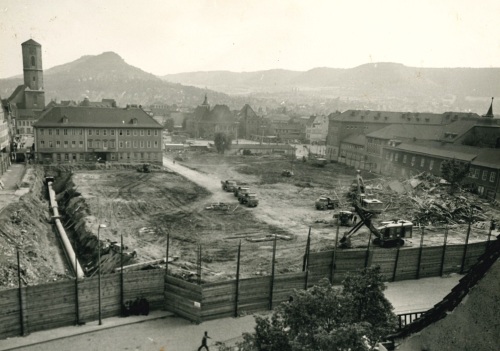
[
  {"x": 93, "y": 134},
  {"x": 317, "y": 130}
]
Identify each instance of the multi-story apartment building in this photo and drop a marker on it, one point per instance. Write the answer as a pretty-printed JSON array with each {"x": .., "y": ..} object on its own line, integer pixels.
[
  {"x": 408, "y": 159},
  {"x": 317, "y": 129},
  {"x": 94, "y": 134},
  {"x": 341, "y": 125}
]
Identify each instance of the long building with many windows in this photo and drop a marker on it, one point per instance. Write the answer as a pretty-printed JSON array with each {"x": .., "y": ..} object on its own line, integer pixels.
[{"x": 94, "y": 134}]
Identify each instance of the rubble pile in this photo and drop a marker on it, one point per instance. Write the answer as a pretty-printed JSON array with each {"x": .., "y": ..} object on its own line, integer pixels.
[{"x": 424, "y": 199}]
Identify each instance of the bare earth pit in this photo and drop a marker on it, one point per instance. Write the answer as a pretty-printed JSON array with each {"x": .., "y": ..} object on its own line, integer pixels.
[{"x": 145, "y": 207}]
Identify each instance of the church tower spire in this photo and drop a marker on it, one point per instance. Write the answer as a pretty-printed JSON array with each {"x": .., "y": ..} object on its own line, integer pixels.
[
  {"x": 490, "y": 110},
  {"x": 33, "y": 74}
]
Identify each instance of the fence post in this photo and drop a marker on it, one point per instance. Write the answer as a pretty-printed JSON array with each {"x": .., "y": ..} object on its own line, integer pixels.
[
  {"x": 122, "y": 294},
  {"x": 237, "y": 282},
  {"x": 199, "y": 264},
  {"x": 420, "y": 252},
  {"x": 444, "y": 250},
  {"x": 396, "y": 262},
  {"x": 77, "y": 307},
  {"x": 306, "y": 253},
  {"x": 272, "y": 275},
  {"x": 306, "y": 267},
  {"x": 334, "y": 255},
  {"x": 166, "y": 257},
  {"x": 465, "y": 246},
  {"x": 367, "y": 256},
  {"x": 492, "y": 227},
  {"x": 21, "y": 315}
]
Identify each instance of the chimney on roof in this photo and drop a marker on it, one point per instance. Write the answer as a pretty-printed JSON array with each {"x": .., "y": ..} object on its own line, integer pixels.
[{"x": 489, "y": 114}]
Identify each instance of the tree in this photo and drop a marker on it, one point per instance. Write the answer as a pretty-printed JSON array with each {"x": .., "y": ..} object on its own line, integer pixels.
[
  {"x": 325, "y": 317},
  {"x": 454, "y": 172},
  {"x": 222, "y": 142},
  {"x": 169, "y": 124}
]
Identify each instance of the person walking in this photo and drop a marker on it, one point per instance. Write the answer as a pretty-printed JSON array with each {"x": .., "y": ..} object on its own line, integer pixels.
[{"x": 204, "y": 342}]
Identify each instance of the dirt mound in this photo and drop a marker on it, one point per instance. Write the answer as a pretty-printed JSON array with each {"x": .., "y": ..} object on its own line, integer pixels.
[{"x": 25, "y": 226}]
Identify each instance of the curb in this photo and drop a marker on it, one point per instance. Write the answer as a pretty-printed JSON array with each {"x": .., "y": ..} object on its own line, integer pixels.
[{"x": 44, "y": 336}]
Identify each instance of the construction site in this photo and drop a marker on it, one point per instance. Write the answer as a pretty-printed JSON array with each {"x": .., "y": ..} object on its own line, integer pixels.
[{"x": 182, "y": 207}]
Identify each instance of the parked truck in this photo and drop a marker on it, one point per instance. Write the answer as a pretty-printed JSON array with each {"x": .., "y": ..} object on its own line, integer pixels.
[
  {"x": 228, "y": 185},
  {"x": 250, "y": 200},
  {"x": 325, "y": 202},
  {"x": 242, "y": 192}
]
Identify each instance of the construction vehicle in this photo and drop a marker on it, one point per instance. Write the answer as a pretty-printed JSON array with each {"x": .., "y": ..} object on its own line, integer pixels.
[
  {"x": 366, "y": 201},
  {"x": 391, "y": 233},
  {"x": 242, "y": 192},
  {"x": 320, "y": 162},
  {"x": 325, "y": 202},
  {"x": 344, "y": 218},
  {"x": 237, "y": 189},
  {"x": 145, "y": 168},
  {"x": 250, "y": 200},
  {"x": 228, "y": 185}
]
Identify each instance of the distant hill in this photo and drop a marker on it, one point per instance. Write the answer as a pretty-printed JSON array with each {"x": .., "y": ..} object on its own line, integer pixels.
[
  {"x": 381, "y": 85},
  {"x": 108, "y": 76},
  {"x": 374, "y": 86},
  {"x": 381, "y": 78}
]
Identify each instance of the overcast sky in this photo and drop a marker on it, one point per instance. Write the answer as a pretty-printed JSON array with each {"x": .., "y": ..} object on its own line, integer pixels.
[{"x": 166, "y": 36}]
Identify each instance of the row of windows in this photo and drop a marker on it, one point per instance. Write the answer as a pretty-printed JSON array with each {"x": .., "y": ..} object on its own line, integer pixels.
[
  {"x": 394, "y": 156},
  {"x": 104, "y": 132},
  {"x": 113, "y": 156},
  {"x": 96, "y": 144},
  {"x": 475, "y": 172},
  {"x": 21, "y": 123}
]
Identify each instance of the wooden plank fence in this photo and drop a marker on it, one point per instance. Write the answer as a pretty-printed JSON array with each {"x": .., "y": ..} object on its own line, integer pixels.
[{"x": 54, "y": 305}]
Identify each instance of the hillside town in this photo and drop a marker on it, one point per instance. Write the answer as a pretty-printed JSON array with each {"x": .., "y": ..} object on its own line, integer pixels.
[{"x": 133, "y": 193}]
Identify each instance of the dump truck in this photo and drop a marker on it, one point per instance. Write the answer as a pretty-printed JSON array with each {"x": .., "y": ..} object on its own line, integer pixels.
[
  {"x": 250, "y": 200},
  {"x": 145, "y": 168},
  {"x": 242, "y": 192},
  {"x": 237, "y": 189},
  {"x": 325, "y": 202},
  {"x": 228, "y": 185},
  {"x": 344, "y": 218}
]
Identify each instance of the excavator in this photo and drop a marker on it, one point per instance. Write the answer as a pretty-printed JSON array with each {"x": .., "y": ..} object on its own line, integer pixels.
[
  {"x": 366, "y": 201},
  {"x": 391, "y": 233}
]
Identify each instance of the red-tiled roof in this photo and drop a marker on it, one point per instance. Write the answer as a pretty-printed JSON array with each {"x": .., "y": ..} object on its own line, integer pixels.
[{"x": 96, "y": 117}]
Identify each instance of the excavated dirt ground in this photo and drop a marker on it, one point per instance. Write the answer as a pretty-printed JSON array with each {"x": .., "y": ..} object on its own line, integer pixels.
[{"x": 146, "y": 207}]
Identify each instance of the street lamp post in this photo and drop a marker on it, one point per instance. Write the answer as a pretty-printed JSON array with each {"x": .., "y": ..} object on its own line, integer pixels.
[{"x": 99, "y": 268}]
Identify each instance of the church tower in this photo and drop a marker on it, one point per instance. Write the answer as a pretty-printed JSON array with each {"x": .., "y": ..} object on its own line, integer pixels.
[{"x": 33, "y": 75}]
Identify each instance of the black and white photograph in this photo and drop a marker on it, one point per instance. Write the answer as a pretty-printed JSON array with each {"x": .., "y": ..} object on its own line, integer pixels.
[{"x": 235, "y": 175}]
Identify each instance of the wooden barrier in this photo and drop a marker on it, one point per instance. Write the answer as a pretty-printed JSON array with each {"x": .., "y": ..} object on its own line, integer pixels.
[
  {"x": 409, "y": 260},
  {"x": 183, "y": 298},
  {"x": 53, "y": 305}
]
